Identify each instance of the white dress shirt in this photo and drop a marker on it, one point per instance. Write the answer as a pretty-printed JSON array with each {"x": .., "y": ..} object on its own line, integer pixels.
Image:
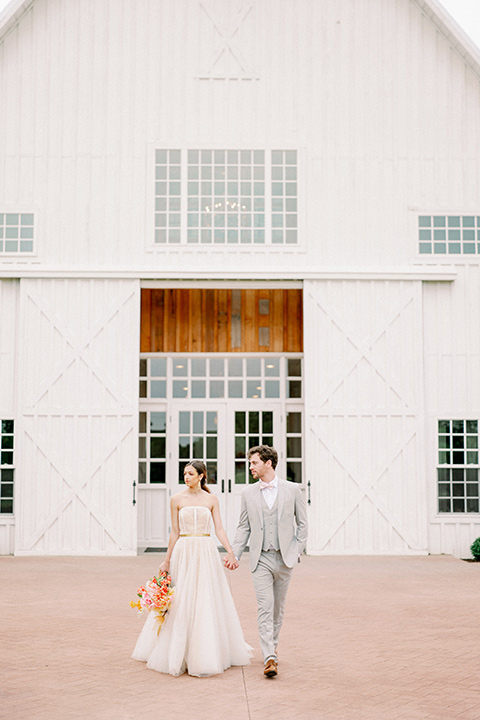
[{"x": 270, "y": 493}]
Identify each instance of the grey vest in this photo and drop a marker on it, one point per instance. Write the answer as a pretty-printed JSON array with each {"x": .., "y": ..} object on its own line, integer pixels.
[{"x": 270, "y": 525}]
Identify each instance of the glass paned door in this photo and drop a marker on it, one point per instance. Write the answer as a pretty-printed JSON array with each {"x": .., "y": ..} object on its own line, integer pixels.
[
  {"x": 248, "y": 425},
  {"x": 220, "y": 435},
  {"x": 213, "y": 408},
  {"x": 252, "y": 427},
  {"x": 198, "y": 434}
]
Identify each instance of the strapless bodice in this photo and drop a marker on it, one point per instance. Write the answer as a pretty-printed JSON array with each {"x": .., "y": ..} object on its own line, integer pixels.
[{"x": 194, "y": 520}]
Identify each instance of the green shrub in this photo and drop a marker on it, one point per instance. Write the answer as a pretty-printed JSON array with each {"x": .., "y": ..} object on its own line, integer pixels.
[{"x": 475, "y": 548}]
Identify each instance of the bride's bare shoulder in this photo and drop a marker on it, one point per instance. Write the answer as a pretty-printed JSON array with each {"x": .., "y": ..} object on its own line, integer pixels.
[{"x": 177, "y": 500}]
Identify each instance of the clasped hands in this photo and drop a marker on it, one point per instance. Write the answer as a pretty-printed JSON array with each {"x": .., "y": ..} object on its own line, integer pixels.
[{"x": 231, "y": 562}]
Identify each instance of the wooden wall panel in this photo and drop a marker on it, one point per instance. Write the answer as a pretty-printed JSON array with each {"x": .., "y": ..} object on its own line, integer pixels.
[
  {"x": 276, "y": 329},
  {"x": 146, "y": 321},
  {"x": 157, "y": 305},
  {"x": 212, "y": 320},
  {"x": 293, "y": 330},
  {"x": 223, "y": 310}
]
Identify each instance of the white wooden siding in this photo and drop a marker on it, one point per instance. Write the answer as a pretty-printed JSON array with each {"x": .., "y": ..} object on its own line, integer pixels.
[
  {"x": 364, "y": 417},
  {"x": 386, "y": 113},
  {"x": 452, "y": 390},
  {"x": 79, "y": 404},
  {"x": 9, "y": 294}
]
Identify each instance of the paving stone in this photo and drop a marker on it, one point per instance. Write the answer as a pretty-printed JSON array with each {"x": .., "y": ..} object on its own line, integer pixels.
[{"x": 364, "y": 638}]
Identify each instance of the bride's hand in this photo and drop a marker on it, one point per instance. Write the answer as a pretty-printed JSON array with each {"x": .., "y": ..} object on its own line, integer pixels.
[
  {"x": 231, "y": 561},
  {"x": 165, "y": 566}
]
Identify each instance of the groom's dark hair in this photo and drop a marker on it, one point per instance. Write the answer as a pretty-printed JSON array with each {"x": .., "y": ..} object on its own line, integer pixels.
[{"x": 266, "y": 453}]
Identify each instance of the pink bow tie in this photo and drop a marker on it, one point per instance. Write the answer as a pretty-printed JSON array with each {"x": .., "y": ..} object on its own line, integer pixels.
[{"x": 268, "y": 486}]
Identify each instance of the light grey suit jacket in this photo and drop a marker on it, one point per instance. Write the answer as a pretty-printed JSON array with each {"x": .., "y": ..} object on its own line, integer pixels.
[{"x": 292, "y": 523}]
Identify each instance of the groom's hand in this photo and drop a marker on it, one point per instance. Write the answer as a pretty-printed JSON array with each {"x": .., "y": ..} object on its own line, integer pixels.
[{"x": 231, "y": 564}]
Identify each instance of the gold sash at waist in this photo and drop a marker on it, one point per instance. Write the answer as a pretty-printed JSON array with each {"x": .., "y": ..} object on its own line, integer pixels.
[{"x": 194, "y": 534}]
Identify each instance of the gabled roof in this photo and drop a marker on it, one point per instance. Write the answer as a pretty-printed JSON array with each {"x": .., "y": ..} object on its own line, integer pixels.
[
  {"x": 452, "y": 31},
  {"x": 11, "y": 15},
  {"x": 13, "y": 12}
]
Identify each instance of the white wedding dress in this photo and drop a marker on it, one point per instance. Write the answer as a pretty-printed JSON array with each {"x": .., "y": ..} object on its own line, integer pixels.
[{"x": 201, "y": 633}]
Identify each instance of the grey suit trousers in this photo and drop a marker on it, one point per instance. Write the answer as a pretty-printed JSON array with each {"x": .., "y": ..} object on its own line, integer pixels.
[{"x": 271, "y": 578}]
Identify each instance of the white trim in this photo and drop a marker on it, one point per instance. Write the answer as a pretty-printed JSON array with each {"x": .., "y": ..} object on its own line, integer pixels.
[
  {"x": 445, "y": 273},
  {"x": 449, "y": 27},
  {"x": 222, "y": 284}
]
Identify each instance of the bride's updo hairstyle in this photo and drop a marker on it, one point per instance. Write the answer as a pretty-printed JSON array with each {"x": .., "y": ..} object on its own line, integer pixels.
[{"x": 201, "y": 469}]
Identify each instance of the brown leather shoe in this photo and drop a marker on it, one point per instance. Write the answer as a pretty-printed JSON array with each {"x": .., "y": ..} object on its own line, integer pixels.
[{"x": 270, "y": 668}]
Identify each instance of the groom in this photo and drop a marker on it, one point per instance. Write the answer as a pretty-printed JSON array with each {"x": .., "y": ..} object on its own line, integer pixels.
[{"x": 273, "y": 516}]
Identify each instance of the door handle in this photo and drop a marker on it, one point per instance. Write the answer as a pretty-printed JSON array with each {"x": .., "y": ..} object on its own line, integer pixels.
[
  {"x": 229, "y": 485},
  {"x": 223, "y": 485}
]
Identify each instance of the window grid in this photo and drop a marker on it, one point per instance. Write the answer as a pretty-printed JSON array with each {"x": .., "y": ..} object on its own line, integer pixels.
[
  {"x": 294, "y": 378},
  {"x": 153, "y": 378},
  {"x": 152, "y": 441},
  {"x": 284, "y": 196},
  {"x": 198, "y": 440},
  {"x": 167, "y": 196},
  {"x": 218, "y": 377},
  {"x": 233, "y": 197},
  {"x": 16, "y": 232},
  {"x": 6, "y": 466},
  {"x": 449, "y": 234},
  {"x": 457, "y": 471},
  {"x": 226, "y": 196},
  {"x": 294, "y": 446},
  {"x": 252, "y": 428}
]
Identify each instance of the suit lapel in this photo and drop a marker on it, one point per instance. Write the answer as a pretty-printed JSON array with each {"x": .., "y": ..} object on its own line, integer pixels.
[
  {"x": 280, "y": 496},
  {"x": 258, "y": 501}
]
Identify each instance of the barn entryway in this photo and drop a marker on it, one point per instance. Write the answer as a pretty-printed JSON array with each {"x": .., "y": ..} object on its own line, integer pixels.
[{"x": 220, "y": 371}]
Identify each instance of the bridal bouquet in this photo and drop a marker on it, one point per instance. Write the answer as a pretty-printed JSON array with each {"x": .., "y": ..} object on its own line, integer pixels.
[{"x": 156, "y": 595}]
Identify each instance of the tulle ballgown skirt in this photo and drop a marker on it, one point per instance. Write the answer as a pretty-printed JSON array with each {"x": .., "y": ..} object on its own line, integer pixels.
[{"x": 201, "y": 633}]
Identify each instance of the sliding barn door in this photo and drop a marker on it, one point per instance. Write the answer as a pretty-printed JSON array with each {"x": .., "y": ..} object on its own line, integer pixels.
[
  {"x": 364, "y": 400},
  {"x": 79, "y": 410}
]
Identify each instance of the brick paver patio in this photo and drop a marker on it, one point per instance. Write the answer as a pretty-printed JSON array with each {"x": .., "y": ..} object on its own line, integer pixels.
[{"x": 364, "y": 638}]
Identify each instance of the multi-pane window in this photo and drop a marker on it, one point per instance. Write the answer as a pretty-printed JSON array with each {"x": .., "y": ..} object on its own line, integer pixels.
[
  {"x": 218, "y": 377},
  {"x": 6, "y": 466},
  {"x": 458, "y": 466},
  {"x": 226, "y": 197},
  {"x": 284, "y": 196},
  {"x": 252, "y": 428},
  {"x": 16, "y": 233},
  {"x": 449, "y": 234},
  {"x": 153, "y": 378},
  {"x": 198, "y": 440},
  {"x": 294, "y": 377},
  {"x": 167, "y": 196},
  {"x": 152, "y": 448},
  {"x": 294, "y": 446}
]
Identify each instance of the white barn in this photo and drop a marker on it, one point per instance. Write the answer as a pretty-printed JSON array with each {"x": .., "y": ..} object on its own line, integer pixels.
[{"x": 232, "y": 221}]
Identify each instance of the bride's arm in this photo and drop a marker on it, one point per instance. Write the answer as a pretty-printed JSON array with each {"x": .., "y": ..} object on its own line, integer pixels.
[
  {"x": 221, "y": 534},
  {"x": 174, "y": 535}
]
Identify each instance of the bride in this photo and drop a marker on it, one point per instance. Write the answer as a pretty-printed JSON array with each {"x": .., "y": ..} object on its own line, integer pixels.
[{"x": 201, "y": 633}]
